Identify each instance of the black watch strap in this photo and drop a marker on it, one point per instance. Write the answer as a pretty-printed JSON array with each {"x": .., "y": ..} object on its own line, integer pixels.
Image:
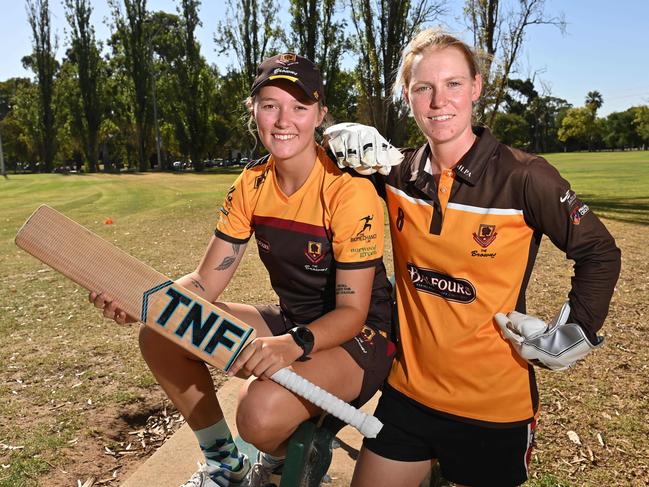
[{"x": 304, "y": 338}]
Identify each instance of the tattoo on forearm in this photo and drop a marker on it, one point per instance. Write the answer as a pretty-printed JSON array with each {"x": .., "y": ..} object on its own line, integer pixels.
[
  {"x": 198, "y": 285},
  {"x": 344, "y": 289},
  {"x": 230, "y": 259}
]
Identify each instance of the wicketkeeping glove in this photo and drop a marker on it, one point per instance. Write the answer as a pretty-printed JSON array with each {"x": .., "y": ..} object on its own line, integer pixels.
[
  {"x": 556, "y": 346},
  {"x": 362, "y": 148}
]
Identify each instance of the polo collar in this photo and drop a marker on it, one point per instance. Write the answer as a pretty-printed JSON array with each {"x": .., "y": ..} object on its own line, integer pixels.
[{"x": 472, "y": 165}]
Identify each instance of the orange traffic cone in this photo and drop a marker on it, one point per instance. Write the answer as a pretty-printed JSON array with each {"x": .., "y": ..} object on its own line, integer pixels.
[{"x": 108, "y": 221}]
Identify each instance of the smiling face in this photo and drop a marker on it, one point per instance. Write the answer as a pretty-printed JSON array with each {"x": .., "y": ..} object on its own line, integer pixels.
[
  {"x": 286, "y": 121},
  {"x": 441, "y": 93}
]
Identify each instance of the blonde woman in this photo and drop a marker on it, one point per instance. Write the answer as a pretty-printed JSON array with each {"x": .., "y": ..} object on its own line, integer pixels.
[
  {"x": 467, "y": 214},
  {"x": 319, "y": 233}
]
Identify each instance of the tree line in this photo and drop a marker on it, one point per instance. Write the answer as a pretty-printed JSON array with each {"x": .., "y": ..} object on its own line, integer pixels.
[{"x": 146, "y": 96}]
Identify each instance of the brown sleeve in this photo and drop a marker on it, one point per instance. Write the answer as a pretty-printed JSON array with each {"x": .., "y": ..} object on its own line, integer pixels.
[{"x": 551, "y": 207}]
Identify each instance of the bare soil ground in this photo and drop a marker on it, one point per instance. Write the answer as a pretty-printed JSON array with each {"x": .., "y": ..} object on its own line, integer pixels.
[{"x": 104, "y": 415}]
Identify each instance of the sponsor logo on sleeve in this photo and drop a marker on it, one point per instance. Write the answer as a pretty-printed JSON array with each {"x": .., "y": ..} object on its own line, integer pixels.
[
  {"x": 577, "y": 213},
  {"x": 365, "y": 233},
  {"x": 438, "y": 284},
  {"x": 568, "y": 198}
]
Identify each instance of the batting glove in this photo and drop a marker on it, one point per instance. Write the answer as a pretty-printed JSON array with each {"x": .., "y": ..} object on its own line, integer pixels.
[
  {"x": 556, "y": 346},
  {"x": 362, "y": 148}
]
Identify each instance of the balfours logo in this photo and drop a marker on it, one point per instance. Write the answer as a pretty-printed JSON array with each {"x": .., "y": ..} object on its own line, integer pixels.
[{"x": 447, "y": 287}]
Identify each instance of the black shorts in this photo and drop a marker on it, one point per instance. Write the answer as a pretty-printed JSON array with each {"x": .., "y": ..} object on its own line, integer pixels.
[
  {"x": 370, "y": 349},
  {"x": 468, "y": 454}
]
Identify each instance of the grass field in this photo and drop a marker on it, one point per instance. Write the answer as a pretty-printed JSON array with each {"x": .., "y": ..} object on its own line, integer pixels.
[
  {"x": 614, "y": 184},
  {"x": 75, "y": 396}
]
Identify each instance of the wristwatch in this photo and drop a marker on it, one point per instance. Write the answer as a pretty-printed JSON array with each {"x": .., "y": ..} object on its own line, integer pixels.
[{"x": 304, "y": 338}]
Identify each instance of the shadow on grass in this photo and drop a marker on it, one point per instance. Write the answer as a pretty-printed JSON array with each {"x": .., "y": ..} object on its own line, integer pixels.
[{"x": 631, "y": 210}]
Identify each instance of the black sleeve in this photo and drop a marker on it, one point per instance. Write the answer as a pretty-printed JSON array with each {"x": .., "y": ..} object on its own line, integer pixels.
[{"x": 552, "y": 208}]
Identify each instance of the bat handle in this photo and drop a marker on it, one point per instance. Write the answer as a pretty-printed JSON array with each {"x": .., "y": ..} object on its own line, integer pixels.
[{"x": 366, "y": 424}]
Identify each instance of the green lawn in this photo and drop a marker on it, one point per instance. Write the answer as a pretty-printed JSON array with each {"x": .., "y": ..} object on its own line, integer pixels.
[{"x": 613, "y": 184}]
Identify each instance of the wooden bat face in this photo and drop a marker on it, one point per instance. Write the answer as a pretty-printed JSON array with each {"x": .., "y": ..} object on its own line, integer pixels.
[{"x": 198, "y": 326}]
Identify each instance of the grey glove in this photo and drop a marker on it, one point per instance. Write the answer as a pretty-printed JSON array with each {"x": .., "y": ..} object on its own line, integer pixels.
[
  {"x": 362, "y": 148},
  {"x": 556, "y": 346}
]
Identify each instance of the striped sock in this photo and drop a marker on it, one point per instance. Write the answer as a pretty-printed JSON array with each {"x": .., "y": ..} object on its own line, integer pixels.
[
  {"x": 218, "y": 447},
  {"x": 271, "y": 462}
]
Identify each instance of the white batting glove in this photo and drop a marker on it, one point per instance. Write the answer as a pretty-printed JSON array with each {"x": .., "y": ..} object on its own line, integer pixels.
[
  {"x": 556, "y": 346},
  {"x": 362, "y": 148}
]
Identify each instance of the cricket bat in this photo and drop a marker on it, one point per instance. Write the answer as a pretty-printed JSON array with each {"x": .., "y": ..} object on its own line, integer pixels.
[{"x": 208, "y": 332}]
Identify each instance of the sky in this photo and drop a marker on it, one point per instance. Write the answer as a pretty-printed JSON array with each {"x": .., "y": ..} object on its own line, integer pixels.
[{"x": 605, "y": 47}]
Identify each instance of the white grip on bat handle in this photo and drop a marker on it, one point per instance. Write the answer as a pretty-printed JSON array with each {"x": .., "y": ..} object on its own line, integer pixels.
[{"x": 366, "y": 424}]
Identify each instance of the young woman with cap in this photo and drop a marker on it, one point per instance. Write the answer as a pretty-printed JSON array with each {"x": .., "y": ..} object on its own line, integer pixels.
[
  {"x": 319, "y": 233},
  {"x": 467, "y": 214}
]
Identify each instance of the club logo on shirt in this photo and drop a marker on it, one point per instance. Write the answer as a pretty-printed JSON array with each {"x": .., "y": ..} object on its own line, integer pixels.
[
  {"x": 364, "y": 232},
  {"x": 485, "y": 236},
  {"x": 446, "y": 287},
  {"x": 314, "y": 252},
  {"x": 578, "y": 213}
]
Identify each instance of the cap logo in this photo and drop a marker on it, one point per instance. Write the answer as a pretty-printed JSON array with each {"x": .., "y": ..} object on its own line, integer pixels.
[{"x": 288, "y": 58}]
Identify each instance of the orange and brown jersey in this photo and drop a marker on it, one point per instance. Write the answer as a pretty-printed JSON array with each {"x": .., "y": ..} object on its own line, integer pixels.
[
  {"x": 464, "y": 248},
  {"x": 334, "y": 221}
]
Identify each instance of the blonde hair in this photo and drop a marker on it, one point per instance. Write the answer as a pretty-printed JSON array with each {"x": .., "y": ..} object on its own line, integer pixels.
[{"x": 431, "y": 39}]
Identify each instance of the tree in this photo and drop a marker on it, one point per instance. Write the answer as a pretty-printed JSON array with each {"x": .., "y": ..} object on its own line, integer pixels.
[
  {"x": 594, "y": 101},
  {"x": 619, "y": 130},
  {"x": 251, "y": 33},
  {"x": 512, "y": 129},
  {"x": 84, "y": 54},
  {"x": 383, "y": 29},
  {"x": 500, "y": 35},
  {"x": 44, "y": 65},
  {"x": 133, "y": 35},
  {"x": 641, "y": 122},
  {"x": 18, "y": 119},
  {"x": 576, "y": 128},
  {"x": 194, "y": 85},
  {"x": 316, "y": 35}
]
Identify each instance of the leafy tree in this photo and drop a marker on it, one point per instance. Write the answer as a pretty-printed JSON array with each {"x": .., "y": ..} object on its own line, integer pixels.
[
  {"x": 195, "y": 86},
  {"x": 383, "y": 29},
  {"x": 499, "y": 30},
  {"x": 641, "y": 122},
  {"x": 512, "y": 129},
  {"x": 594, "y": 101},
  {"x": 133, "y": 34},
  {"x": 44, "y": 65},
  {"x": 16, "y": 144},
  {"x": 576, "y": 128},
  {"x": 251, "y": 33},
  {"x": 85, "y": 55},
  {"x": 619, "y": 131},
  {"x": 317, "y": 35}
]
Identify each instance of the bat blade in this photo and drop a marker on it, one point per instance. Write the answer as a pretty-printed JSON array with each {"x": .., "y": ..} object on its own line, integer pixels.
[
  {"x": 97, "y": 265},
  {"x": 197, "y": 325}
]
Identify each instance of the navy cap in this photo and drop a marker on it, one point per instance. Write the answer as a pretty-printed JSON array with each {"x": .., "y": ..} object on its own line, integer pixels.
[{"x": 292, "y": 67}]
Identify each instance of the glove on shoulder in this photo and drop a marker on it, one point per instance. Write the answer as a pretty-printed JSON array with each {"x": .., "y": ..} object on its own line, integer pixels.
[{"x": 362, "y": 148}]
